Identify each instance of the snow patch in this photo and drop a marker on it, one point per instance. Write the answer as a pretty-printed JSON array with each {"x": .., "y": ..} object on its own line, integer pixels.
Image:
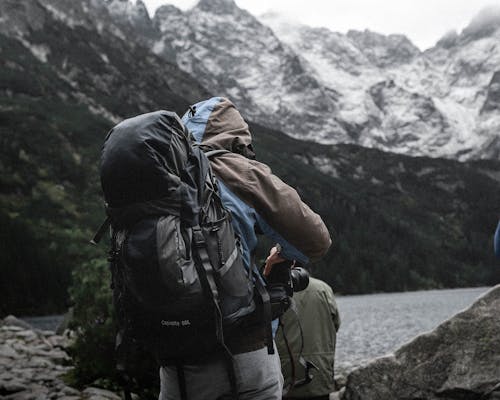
[
  {"x": 325, "y": 165},
  {"x": 159, "y": 47},
  {"x": 97, "y": 109},
  {"x": 104, "y": 58},
  {"x": 40, "y": 51},
  {"x": 61, "y": 16}
]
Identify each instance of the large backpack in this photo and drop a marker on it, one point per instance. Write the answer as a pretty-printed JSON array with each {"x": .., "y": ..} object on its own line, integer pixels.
[{"x": 179, "y": 283}]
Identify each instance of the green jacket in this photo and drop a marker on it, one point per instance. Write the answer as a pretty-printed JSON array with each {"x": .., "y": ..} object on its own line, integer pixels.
[{"x": 319, "y": 317}]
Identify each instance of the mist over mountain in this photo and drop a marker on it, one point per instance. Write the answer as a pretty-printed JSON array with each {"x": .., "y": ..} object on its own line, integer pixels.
[
  {"x": 70, "y": 70},
  {"x": 484, "y": 24}
]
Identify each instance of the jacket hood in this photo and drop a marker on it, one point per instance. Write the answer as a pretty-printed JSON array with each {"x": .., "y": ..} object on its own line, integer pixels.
[{"x": 218, "y": 125}]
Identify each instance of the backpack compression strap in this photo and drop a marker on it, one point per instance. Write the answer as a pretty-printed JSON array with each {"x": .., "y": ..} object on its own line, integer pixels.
[{"x": 201, "y": 251}]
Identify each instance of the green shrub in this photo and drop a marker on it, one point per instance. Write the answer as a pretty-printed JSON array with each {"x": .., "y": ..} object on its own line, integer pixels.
[
  {"x": 93, "y": 351},
  {"x": 93, "y": 322}
]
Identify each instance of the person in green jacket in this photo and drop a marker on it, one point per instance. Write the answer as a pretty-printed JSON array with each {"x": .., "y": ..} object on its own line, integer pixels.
[{"x": 318, "y": 314}]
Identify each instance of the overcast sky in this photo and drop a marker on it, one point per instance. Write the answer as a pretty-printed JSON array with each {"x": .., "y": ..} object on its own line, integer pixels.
[{"x": 423, "y": 21}]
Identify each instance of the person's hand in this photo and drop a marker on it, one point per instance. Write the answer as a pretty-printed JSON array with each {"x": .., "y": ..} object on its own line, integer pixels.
[{"x": 273, "y": 258}]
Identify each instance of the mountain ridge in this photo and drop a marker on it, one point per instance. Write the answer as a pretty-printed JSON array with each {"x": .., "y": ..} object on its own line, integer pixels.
[
  {"x": 339, "y": 70},
  {"x": 441, "y": 74}
]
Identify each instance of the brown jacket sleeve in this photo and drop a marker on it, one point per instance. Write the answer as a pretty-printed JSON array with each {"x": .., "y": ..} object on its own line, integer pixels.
[{"x": 276, "y": 202}]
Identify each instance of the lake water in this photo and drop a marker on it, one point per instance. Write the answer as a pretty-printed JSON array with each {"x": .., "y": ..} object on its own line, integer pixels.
[
  {"x": 376, "y": 324},
  {"x": 46, "y": 323}
]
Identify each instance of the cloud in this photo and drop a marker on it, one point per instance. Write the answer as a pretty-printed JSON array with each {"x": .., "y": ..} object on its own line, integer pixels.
[
  {"x": 424, "y": 22},
  {"x": 487, "y": 20}
]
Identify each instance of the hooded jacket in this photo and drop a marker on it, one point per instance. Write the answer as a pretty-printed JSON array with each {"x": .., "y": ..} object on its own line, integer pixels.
[{"x": 258, "y": 200}]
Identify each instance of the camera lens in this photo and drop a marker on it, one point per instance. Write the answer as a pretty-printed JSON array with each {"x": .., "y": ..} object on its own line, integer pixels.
[{"x": 300, "y": 278}]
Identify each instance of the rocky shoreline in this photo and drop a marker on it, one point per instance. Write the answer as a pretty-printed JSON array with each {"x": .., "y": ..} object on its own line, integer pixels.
[{"x": 33, "y": 364}]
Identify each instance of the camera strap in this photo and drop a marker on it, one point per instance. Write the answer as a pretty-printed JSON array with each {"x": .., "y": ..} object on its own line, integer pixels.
[{"x": 307, "y": 365}]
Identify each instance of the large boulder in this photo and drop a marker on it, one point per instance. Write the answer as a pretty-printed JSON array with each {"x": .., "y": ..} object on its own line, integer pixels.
[{"x": 458, "y": 360}]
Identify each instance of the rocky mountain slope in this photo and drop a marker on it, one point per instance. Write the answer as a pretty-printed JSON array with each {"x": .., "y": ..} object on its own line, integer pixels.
[
  {"x": 232, "y": 53},
  {"x": 403, "y": 100},
  {"x": 362, "y": 87},
  {"x": 69, "y": 71}
]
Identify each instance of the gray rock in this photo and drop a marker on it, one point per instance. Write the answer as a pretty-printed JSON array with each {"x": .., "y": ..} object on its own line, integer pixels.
[
  {"x": 27, "y": 335},
  {"x": 5, "y": 376},
  {"x": 337, "y": 395},
  {"x": 23, "y": 348},
  {"x": 93, "y": 393},
  {"x": 10, "y": 320},
  {"x": 33, "y": 392},
  {"x": 44, "y": 346},
  {"x": 12, "y": 386},
  {"x": 8, "y": 352},
  {"x": 460, "y": 359},
  {"x": 40, "y": 362},
  {"x": 9, "y": 329},
  {"x": 58, "y": 356},
  {"x": 340, "y": 381},
  {"x": 67, "y": 390},
  {"x": 23, "y": 370},
  {"x": 44, "y": 377}
]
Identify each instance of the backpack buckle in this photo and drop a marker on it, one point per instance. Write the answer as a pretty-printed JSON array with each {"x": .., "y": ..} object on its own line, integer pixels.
[{"x": 198, "y": 238}]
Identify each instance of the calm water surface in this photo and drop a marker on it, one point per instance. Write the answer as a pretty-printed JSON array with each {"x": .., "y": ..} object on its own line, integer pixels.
[
  {"x": 377, "y": 324},
  {"x": 46, "y": 323}
]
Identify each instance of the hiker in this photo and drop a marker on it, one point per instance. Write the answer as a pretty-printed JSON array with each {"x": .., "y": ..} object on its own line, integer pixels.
[
  {"x": 184, "y": 218},
  {"x": 259, "y": 202},
  {"x": 496, "y": 241},
  {"x": 306, "y": 343}
]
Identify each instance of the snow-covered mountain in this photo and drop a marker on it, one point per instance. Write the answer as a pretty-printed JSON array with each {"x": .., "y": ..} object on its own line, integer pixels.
[
  {"x": 232, "y": 53},
  {"x": 312, "y": 83},
  {"x": 407, "y": 101},
  {"x": 315, "y": 84}
]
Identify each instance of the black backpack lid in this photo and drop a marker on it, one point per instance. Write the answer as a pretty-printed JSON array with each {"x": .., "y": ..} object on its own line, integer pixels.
[{"x": 148, "y": 159}]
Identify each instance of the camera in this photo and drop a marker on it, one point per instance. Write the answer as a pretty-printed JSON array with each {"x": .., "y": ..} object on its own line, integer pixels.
[
  {"x": 299, "y": 278},
  {"x": 283, "y": 280}
]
